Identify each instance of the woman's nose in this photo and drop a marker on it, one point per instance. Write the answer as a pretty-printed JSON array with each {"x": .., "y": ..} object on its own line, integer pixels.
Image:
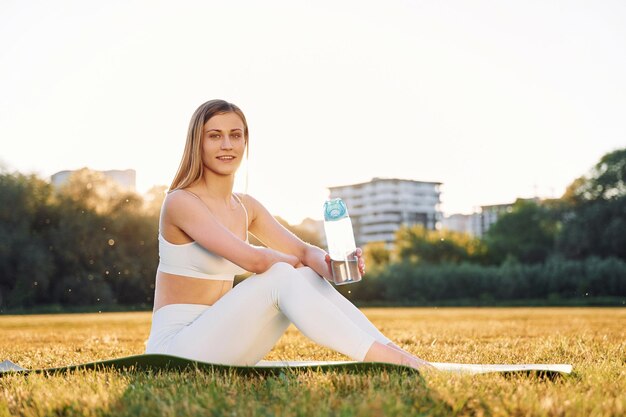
[{"x": 226, "y": 144}]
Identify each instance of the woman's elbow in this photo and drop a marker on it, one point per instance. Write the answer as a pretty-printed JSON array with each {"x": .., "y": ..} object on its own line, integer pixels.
[
  {"x": 259, "y": 262},
  {"x": 258, "y": 267}
]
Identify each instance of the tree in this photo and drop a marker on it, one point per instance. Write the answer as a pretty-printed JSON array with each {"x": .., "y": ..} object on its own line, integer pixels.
[
  {"x": 605, "y": 181},
  {"x": 26, "y": 264},
  {"x": 526, "y": 234},
  {"x": 91, "y": 189},
  {"x": 153, "y": 200},
  {"x": 87, "y": 242},
  {"x": 417, "y": 244},
  {"x": 594, "y": 212},
  {"x": 594, "y": 228},
  {"x": 376, "y": 254},
  {"x": 118, "y": 246}
]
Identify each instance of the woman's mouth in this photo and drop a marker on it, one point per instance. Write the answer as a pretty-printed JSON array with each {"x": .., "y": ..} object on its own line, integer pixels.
[{"x": 226, "y": 158}]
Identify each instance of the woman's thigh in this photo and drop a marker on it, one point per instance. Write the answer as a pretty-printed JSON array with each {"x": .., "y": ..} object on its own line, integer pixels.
[
  {"x": 327, "y": 290},
  {"x": 240, "y": 328}
]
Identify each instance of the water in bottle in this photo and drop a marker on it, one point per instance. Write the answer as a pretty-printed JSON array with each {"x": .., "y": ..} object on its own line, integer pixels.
[{"x": 340, "y": 240}]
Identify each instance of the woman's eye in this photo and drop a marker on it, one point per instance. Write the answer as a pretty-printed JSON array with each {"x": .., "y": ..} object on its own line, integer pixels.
[
  {"x": 214, "y": 136},
  {"x": 237, "y": 136}
]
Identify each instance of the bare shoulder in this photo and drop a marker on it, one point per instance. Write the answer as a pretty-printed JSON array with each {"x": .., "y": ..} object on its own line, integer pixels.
[
  {"x": 251, "y": 203},
  {"x": 175, "y": 197},
  {"x": 178, "y": 201}
]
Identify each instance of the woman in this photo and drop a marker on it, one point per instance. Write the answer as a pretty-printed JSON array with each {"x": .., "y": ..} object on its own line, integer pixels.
[{"x": 203, "y": 244}]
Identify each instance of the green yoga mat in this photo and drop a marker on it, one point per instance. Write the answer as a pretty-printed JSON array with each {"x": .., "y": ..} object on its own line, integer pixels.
[{"x": 157, "y": 362}]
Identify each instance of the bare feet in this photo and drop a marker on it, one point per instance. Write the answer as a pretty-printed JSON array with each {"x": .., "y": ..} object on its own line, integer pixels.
[
  {"x": 390, "y": 354},
  {"x": 421, "y": 363}
]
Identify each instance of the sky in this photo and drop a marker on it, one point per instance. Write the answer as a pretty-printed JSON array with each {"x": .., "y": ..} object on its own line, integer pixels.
[{"x": 494, "y": 99}]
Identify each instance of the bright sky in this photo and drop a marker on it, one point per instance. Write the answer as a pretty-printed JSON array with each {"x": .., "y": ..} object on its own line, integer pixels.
[{"x": 495, "y": 99}]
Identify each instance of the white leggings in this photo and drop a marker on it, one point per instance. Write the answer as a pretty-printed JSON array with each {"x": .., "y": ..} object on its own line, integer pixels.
[{"x": 244, "y": 325}]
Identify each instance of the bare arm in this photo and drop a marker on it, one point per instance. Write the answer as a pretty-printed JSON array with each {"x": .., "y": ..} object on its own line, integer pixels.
[
  {"x": 265, "y": 227},
  {"x": 191, "y": 216}
]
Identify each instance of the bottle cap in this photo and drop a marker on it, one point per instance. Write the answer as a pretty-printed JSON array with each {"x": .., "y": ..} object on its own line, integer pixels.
[{"x": 335, "y": 209}]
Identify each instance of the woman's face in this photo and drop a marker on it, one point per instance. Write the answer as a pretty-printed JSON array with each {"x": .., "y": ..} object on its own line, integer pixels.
[{"x": 223, "y": 143}]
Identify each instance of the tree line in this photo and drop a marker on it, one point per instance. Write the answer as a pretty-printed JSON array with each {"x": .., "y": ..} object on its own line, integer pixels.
[
  {"x": 87, "y": 244},
  {"x": 546, "y": 252},
  {"x": 93, "y": 245}
]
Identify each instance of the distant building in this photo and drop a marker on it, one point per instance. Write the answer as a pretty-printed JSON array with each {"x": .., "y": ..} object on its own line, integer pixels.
[
  {"x": 124, "y": 178},
  {"x": 379, "y": 208},
  {"x": 490, "y": 215},
  {"x": 462, "y": 223},
  {"x": 477, "y": 224}
]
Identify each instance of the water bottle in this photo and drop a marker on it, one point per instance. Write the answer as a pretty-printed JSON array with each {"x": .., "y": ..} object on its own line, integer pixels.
[{"x": 340, "y": 240}]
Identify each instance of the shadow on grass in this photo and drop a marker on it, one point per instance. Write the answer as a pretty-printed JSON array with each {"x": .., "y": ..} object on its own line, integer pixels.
[
  {"x": 291, "y": 392},
  {"x": 165, "y": 386}
]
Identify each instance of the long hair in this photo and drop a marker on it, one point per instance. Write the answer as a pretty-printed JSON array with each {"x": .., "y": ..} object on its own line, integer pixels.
[{"x": 191, "y": 168}]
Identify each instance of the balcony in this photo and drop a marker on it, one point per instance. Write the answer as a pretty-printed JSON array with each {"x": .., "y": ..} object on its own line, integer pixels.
[{"x": 379, "y": 228}]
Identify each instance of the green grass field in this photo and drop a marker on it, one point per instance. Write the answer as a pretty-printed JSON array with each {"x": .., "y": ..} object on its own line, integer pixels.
[{"x": 593, "y": 340}]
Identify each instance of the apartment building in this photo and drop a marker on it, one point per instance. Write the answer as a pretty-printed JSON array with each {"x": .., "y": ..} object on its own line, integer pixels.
[
  {"x": 478, "y": 223},
  {"x": 379, "y": 207}
]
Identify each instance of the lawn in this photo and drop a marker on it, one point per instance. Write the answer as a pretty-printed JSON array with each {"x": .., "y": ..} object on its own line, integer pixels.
[{"x": 593, "y": 340}]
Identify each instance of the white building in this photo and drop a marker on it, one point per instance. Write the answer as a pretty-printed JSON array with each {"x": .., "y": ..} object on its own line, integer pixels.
[
  {"x": 379, "y": 207},
  {"x": 463, "y": 223},
  {"x": 124, "y": 178},
  {"x": 477, "y": 224},
  {"x": 490, "y": 214}
]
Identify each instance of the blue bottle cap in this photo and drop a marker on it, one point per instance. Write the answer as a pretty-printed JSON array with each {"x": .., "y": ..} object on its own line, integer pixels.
[{"x": 335, "y": 209}]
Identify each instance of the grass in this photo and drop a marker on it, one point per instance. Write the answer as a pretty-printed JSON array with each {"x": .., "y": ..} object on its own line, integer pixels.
[{"x": 593, "y": 340}]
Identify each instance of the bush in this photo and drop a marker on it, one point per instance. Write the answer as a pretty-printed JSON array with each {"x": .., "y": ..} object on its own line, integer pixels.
[{"x": 557, "y": 279}]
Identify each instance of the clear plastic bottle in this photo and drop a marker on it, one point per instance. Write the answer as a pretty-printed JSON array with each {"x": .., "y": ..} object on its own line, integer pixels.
[{"x": 340, "y": 240}]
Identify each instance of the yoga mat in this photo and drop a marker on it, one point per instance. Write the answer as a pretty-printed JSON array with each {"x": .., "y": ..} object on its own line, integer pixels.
[{"x": 157, "y": 362}]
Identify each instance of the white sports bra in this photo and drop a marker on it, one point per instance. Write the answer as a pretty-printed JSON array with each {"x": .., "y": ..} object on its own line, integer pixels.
[{"x": 193, "y": 260}]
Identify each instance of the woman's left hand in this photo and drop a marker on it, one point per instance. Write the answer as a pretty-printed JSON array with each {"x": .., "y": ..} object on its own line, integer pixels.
[{"x": 359, "y": 256}]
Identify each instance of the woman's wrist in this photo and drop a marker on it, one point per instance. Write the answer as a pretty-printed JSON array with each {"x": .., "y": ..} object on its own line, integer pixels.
[
  {"x": 315, "y": 258},
  {"x": 310, "y": 253},
  {"x": 284, "y": 257}
]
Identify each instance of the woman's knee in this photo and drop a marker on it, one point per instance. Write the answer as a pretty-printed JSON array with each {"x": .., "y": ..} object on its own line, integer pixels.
[
  {"x": 316, "y": 280},
  {"x": 282, "y": 267},
  {"x": 311, "y": 275},
  {"x": 288, "y": 275},
  {"x": 279, "y": 271},
  {"x": 306, "y": 270}
]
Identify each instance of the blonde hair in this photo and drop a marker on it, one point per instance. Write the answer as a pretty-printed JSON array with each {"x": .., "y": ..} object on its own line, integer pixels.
[{"x": 191, "y": 167}]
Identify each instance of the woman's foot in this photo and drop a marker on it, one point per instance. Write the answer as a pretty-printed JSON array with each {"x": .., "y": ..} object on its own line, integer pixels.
[
  {"x": 421, "y": 362},
  {"x": 386, "y": 353}
]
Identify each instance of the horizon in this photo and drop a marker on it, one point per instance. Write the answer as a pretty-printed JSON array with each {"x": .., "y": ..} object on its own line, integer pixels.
[{"x": 297, "y": 221}]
